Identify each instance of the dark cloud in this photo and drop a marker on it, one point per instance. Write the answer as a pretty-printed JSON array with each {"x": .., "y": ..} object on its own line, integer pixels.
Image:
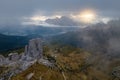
[
  {"x": 16, "y": 9},
  {"x": 63, "y": 21}
]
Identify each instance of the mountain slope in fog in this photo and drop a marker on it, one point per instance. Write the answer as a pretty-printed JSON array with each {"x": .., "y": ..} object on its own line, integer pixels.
[
  {"x": 21, "y": 30},
  {"x": 99, "y": 38}
]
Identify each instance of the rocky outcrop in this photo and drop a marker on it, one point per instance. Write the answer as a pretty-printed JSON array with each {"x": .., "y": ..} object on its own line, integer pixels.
[
  {"x": 2, "y": 60},
  {"x": 14, "y": 56},
  {"x": 116, "y": 73},
  {"x": 33, "y": 50},
  {"x": 19, "y": 62}
]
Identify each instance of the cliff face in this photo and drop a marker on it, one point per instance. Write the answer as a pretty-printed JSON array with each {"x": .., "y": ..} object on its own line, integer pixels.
[{"x": 33, "y": 50}]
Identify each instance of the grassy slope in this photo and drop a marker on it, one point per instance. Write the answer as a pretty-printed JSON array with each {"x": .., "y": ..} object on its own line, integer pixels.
[{"x": 70, "y": 64}]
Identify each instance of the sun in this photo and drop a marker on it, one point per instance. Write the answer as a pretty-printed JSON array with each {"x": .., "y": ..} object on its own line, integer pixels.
[{"x": 87, "y": 16}]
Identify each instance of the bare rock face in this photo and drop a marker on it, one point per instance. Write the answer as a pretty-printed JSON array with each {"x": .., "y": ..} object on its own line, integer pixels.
[
  {"x": 14, "y": 56},
  {"x": 33, "y": 50},
  {"x": 2, "y": 59},
  {"x": 116, "y": 72}
]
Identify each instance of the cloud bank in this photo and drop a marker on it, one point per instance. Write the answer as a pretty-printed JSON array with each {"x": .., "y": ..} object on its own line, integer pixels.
[{"x": 13, "y": 11}]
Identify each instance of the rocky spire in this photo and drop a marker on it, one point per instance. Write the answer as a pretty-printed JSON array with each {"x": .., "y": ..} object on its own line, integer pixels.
[{"x": 34, "y": 49}]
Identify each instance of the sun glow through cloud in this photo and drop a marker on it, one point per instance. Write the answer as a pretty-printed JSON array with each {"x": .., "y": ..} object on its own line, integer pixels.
[{"x": 87, "y": 16}]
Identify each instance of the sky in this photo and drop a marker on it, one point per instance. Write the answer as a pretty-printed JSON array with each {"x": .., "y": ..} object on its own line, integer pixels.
[{"x": 55, "y": 12}]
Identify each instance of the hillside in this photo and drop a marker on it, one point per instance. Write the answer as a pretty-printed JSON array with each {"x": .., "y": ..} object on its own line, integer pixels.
[
  {"x": 70, "y": 63},
  {"x": 56, "y": 62}
]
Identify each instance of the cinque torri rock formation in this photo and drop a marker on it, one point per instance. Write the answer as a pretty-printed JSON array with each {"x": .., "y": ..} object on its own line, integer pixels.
[
  {"x": 19, "y": 62},
  {"x": 33, "y": 50}
]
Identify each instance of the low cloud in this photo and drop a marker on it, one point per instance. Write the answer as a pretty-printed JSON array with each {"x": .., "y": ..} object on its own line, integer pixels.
[{"x": 56, "y": 20}]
